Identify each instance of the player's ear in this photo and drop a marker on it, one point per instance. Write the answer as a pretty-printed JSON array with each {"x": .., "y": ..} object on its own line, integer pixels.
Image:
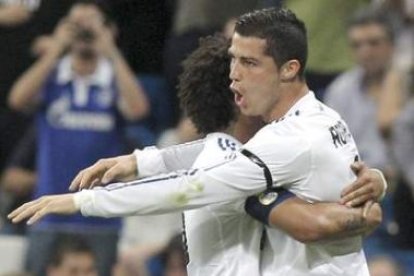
[{"x": 289, "y": 70}]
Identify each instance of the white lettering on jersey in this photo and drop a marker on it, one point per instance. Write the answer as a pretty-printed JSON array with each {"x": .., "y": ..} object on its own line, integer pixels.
[{"x": 59, "y": 115}]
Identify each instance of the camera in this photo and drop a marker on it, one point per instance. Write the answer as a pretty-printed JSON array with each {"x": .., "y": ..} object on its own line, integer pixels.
[{"x": 85, "y": 35}]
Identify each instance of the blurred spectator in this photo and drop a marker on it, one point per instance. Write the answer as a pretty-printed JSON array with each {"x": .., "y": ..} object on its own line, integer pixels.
[
  {"x": 328, "y": 49},
  {"x": 72, "y": 256},
  {"x": 18, "y": 180},
  {"x": 384, "y": 266},
  {"x": 359, "y": 95},
  {"x": 81, "y": 100},
  {"x": 167, "y": 260},
  {"x": 369, "y": 97},
  {"x": 133, "y": 261},
  {"x": 403, "y": 146},
  {"x": 403, "y": 14},
  {"x": 30, "y": 18}
]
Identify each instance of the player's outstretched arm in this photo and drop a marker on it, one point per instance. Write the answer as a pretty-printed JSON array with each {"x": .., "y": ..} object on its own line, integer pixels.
[
  {"x": 35, "y": 210},
  {"x": 308, "y": 222},
  {"x": 226, "y": 181},
  {"x": 120, "y": 168},
  {"x": 141, "y": 163}
]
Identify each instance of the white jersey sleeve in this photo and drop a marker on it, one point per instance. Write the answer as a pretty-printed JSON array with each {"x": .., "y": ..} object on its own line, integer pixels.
[
  {"x": 152, "y": 161},
  {"x": 178, "y": 191},
  {"x": 288, "y": 157},
  {"x": 234, "y": 179}
]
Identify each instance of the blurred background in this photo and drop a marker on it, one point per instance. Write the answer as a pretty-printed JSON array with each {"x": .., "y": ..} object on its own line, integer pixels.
[{"x": 117, "y": 62}]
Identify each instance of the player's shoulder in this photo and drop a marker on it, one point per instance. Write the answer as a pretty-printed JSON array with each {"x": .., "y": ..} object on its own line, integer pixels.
[
  {"x": 279, "y": 140},
  {"x": 313, "y": 117},
  {"x": 221, "y": 141},
  {"x": 217, "y": 147}
]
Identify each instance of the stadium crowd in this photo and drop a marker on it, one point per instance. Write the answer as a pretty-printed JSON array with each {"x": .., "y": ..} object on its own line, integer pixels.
[{"x": 86, "y": 80}]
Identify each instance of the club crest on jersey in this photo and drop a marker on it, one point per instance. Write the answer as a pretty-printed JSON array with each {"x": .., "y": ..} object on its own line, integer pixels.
[{"x": 268, "y": 197}]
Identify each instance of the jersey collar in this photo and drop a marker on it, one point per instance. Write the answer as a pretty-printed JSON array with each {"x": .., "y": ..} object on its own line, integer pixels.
[
  {"x": 101, "y": 77},
  {"x": 295, "y": 110}
]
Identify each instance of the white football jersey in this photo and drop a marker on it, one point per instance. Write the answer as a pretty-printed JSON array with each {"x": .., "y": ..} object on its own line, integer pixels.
[
  {"x": 221, "y": 238},
  {"x": 309, "y": 151},
  {"x": 317, "y": 169}
]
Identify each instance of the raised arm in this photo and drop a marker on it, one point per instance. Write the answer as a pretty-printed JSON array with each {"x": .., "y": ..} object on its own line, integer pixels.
[
  {"x": 25, "y": 93},
  {"x": 133, "y": 101}
]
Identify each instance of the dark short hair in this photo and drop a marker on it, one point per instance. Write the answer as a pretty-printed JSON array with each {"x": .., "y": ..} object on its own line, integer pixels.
[
  {"x": 68, "y": 244},
  {"x": 203, "y": 87},
  {"x": 284, "y": 33},
  {"x": 367, "y": 16},
  {"x": 102, "y": 7}
]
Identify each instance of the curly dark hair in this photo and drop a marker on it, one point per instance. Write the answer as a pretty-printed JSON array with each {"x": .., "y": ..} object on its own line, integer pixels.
[{"x": 203, "y": 87}]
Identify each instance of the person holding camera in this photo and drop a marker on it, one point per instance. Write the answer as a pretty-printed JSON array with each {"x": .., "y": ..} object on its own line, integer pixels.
[{"x": 82, "y": 91}]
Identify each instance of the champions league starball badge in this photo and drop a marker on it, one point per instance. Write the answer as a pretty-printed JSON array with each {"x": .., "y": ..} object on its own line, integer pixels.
[{"x": 267, "y": 198}]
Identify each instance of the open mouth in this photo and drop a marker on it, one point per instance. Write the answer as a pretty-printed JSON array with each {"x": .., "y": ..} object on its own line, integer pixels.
[{"x": 238, "y": 98}]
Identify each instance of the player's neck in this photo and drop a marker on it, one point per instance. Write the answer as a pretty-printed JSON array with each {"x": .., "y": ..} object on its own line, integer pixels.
[
  {"x": 289, "y": 95},
  {"x": 245, "y": 127}
]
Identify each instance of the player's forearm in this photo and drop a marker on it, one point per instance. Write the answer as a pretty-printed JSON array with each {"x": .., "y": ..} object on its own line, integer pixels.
[
  {"x": 308, "y": 222},
  {"x": 152, "y": 161},
  {"x": 25, "y": 92},
  {"x": 172, "y": 192},
  {"x": 341, "y": 222},
  {"x": 159, "y": 195},
  {"x": 132, "y": 95}
]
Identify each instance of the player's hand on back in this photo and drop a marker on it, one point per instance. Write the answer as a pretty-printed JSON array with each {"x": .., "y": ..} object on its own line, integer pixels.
[
  {"x": 121, "y": 168},
  {"x": 370, "y": 185},
  {"x": 37, "y": 209}
]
